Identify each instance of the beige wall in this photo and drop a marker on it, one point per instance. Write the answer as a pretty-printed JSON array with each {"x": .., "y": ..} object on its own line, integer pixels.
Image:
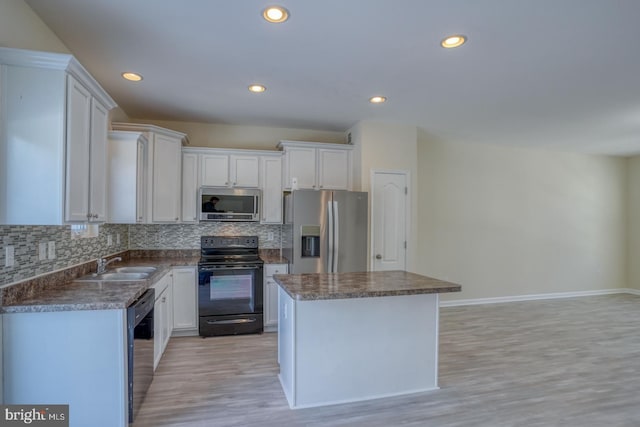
[
  {"x": 633, "y": 223},
  {"x": 248, "y": 137},
  {"x": 21, "y": 28},
  {"x": 506, "y": 221},
  {"x": 388, "y": 146}
]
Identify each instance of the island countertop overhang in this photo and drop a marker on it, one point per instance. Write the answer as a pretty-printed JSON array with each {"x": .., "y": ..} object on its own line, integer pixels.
[{"x": 322, "y": 286}]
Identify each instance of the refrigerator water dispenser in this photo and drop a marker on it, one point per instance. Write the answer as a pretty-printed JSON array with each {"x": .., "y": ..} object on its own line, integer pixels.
[{"x": 310, "y": 240}]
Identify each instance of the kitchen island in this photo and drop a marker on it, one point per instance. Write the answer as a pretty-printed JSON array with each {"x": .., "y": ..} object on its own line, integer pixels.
[{"x": 345, "y": 337}]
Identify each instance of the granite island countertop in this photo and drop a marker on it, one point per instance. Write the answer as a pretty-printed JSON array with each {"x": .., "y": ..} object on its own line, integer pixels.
[
  {"x": 320, "y": 286},
  {"x": 69, "y": 295}
]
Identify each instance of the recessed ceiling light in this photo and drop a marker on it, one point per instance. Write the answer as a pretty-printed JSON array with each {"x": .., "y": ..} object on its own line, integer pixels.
[
  {"x": 132, "y": 77},
  {"x": 257, "y": 88},
  {"x": 453, "y": 41},
  {"x": 275, "y": 14},
  {"x": 377, "y": 99}
]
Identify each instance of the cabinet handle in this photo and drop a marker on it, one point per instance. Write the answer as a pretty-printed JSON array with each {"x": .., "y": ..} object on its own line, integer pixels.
[
  {"x": 88, "y": 215},
  {"x": 226, "y": 183},
  {"x": 313, "y": 186},
  {"x": 164, "y": 299},
  {"x": 176, "y": 218},
  {"x": 95, "y": 216},
  {"x": 139, "y": 217},
  {"x": 321, "y": 186}
]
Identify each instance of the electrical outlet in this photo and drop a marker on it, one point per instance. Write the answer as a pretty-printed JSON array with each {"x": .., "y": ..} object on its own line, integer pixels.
[
  {"x": 9, "y": 259},
  {"x": 42, "y": 251},
  {"x": 109, "y": 240},
  {"x": 51, "y": 250},
  {"x": 117, "y": 238},
  {"x": 270, "y": 236}
]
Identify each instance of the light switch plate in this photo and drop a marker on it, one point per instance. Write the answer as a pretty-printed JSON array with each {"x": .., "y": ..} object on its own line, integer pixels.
[
  {"x": 51, "y": 250},
  {"x": 117, "y": 238},
  {"x": 109, "y": 240},
  {"x": 9, "y": 259},
  {"x": 42, "y": 251}
]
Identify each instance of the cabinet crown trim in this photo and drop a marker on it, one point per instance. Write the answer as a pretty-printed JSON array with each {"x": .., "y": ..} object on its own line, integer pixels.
[
  {"x": 127, "y": 135},
  {"x": 231, "y": 151},
  {"x": 141, "y": 127},
  {"x": 56, "y": 61},
  {"x": 302, "y": 144}
]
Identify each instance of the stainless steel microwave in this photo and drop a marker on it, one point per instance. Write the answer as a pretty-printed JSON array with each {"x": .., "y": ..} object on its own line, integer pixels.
[{"x": 228, "y": 204}]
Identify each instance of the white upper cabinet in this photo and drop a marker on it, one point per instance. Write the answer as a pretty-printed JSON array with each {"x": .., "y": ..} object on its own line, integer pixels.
[
  {"x": 52, "y": 140},
  {"x": 164, "y": 171},
  {"x": 316, "y": 166},
  {"x": 126, "y": 166},
  {"x": 224, "y": 169},
  {"x": 271, "y": 167},
  {"x": 215, "y": 170},
  {"x": 244, "y": 171},
  {"x": 300, "y": 167},
  {"x": 167, "y": 179},
  {"x": 189, "y": 187},
  {"x": 218, "y": 167}
]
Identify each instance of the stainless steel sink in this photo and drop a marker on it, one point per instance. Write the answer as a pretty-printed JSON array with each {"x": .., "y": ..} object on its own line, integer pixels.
[
  {"x": 124, "y": 276},
  {"x": 135, "y": 269},
  {"x": 112, "y": 277}
]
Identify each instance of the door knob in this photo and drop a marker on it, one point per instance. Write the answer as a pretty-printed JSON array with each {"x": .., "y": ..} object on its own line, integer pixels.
[{"x": 378, "y": 256}]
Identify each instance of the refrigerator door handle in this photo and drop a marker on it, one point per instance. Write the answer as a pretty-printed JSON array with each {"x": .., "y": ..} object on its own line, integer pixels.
[
  {"x": 336, "y": 244},
  {"x": 330, "y": 231}
]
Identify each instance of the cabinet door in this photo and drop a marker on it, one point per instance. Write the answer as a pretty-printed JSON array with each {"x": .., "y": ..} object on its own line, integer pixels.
[
  {"x": 245, "y": 171},
  {"x": 185, "y": 304},
  {"x": 189, "y": 187},
  {"x": 158, "y": 320},
  {"x": 78, "y": 134},
  {"x": 98, "y": 163},
  {"x": 167, "y": 168},
  {"x": 215, "y": 170},
  {"x": 167, "y": 301},
  {"x": 271, "y": 168},
  {"x": 333, "y": 169},
  {"x": 141, "y": 181},
  {"x": 300, "y": 164},
  {"x": 271, "y": 303},
  {"x": 271, "y": 293}
]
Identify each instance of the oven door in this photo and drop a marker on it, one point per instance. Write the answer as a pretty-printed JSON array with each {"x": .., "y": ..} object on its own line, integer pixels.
[{"x": 230, "y": 299}]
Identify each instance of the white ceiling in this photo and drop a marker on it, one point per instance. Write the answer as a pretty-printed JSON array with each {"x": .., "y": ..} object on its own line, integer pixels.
[{"x": 552, "y": 73}]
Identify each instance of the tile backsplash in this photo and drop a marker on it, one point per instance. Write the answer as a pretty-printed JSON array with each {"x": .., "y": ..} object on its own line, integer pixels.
[
  {"x": 187, "y": 236},
  {"x": 26, "y": 238}
]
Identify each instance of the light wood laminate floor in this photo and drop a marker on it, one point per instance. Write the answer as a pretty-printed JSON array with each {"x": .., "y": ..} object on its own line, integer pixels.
[{"x": 563, "y": 362}]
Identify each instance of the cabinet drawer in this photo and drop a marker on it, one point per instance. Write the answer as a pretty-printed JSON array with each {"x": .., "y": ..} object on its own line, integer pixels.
[{"x": 271, "y": 269}]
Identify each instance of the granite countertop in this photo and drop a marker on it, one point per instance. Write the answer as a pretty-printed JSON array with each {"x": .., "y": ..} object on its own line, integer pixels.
[
  {"x": 272, "y": 256},
  {"x": 322, "y": 286},
  {"x": 68, "y": 295}
]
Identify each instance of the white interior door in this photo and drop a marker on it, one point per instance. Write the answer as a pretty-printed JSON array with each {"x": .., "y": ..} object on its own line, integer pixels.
[{"x": 389, "y": 207}]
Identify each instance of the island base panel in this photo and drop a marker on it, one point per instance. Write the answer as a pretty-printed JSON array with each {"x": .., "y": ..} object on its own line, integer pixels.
[{"x": 344, "y": 350}]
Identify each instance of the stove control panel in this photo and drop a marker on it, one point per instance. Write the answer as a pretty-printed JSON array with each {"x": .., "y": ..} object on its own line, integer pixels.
[{"x": 224, "y": 242}]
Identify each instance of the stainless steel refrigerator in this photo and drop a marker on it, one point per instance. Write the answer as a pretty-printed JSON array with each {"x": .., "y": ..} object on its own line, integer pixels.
[{"x": 326, "y": 231}]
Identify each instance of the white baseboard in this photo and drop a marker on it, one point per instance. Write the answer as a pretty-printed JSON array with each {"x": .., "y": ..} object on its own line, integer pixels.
[{"x": 554, "y": 295}]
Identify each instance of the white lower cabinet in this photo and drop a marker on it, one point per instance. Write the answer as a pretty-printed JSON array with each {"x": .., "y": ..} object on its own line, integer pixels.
[
  {"x": 185, "y": 304},
  {"x": 162, "y": 316},
  {"x": 271, "y": 295}
]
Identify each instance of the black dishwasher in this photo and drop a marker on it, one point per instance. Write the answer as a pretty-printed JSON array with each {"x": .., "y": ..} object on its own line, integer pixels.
[{"x": 140, "y": 349}]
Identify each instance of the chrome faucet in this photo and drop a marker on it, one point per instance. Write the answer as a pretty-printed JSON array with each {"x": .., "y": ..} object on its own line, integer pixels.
[{"x": 102, "y": 264}]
